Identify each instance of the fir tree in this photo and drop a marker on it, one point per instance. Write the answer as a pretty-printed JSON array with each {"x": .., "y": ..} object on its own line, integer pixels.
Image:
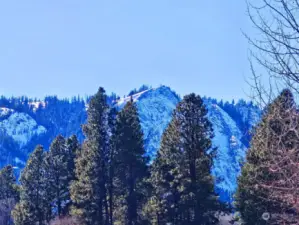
[
  {"x": 130, "y": 165},
  {"x": 88, "y": 192},
  {"x": 57, "y": 171},
  {"x": 8, "y": 187},
  {"x": 73, "y": 149},
  {"x": 166, "y": 179},
  {"x": 9, "y": 194},
  {"x": 271, "y": 160},
  {"x": 33, "y": 203},
  {"x": 181, "y": 174},
  {"x": 111, "y": 159}
]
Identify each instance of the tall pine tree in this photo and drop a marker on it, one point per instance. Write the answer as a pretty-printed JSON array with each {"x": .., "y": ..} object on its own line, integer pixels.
[
  {"x": 166, "y": 179},
  {"x": 9, "y": 194},
  {"x": 183, "y": 188},
  {"x": 88, "y": 192},
  {"x": 130, "y": 165},
  {"x": 73, "y": 149},
  {"x": 57, "y": 174},
  {"x": 33, "y": 204},
  {"x": 111, "y": 159}
]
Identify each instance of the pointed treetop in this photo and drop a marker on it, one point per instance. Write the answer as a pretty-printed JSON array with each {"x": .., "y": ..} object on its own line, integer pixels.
[
  {"x": 38, "y": 150},
  {"x": 6, "y": 169},
  {"x": 192, "y": 98},
  {"x": 99, "y": 96},
  {"x": 285, "y": 100}
]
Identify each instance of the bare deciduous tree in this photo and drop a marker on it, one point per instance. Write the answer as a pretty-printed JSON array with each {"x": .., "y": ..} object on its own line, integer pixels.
[
  {"x": 274, "y": 62},
  {"x": 274, "y": 48}
]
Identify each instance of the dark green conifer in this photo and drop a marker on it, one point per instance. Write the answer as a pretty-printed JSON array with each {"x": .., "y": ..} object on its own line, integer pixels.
[
  {"x": 181, "y": 174},
  {"x": 88, "y": 192},
  {"x": 56, "y": 166},
  {"x": 9, "y": 194},
  {"x": 73, "y": 149},
  {"x": 111, "y": 161},
  {"x": 166, "y": 179},
  {"x": 33, "y": 204},
  {"x": 130, "y": 165}
]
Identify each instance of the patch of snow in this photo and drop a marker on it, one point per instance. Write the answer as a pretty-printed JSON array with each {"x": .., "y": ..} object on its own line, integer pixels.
[
  {"x": 121, "y": 102},
  {"x": 36, "y": 105},
  {"x": 21, "y": 127},
  {"x": 5, "y": 111},
  {"x": 233, "y": 141}
]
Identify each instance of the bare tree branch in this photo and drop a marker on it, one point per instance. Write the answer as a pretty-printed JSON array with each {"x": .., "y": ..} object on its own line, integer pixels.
[{"x": 276, "y": 49}]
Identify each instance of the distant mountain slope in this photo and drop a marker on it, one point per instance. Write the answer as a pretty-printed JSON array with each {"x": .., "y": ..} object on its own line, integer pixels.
[
  {"x": 231, "y": 150},
  {"x": 155, "y": 108},
  {"x": 25, "y": 123},
  {"x": 21, "y": 128}
]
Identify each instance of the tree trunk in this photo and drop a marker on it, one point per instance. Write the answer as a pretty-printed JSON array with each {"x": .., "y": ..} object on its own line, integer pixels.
[{"x": 132, "y": 204}]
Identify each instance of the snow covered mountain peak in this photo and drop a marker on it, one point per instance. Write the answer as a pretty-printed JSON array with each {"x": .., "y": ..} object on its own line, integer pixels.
[{"x": 155, "y": 107}]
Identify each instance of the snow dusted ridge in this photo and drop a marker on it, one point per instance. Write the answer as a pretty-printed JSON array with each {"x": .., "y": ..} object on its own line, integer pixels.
[
  {"x": 21, "y": 127},
  {"x": 231, "y": 151},
  {"x": 121, "y": 102},
  {"x": 155, "y": 107}
]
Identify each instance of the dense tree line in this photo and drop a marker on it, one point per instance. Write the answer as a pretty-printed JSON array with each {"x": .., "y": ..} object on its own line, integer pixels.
[{"x": 110, "y": 180}]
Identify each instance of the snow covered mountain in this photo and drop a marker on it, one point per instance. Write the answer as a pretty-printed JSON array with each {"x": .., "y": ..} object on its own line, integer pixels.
[
  {"x": 155, "y": 108},
  {"x": 231, "y": 151},
  {"x": 22, "y": 126},
  {"x": 19, "y": 127}
]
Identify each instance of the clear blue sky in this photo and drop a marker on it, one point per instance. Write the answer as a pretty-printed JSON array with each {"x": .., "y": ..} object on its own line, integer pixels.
[{"x": 70, "y": 47}]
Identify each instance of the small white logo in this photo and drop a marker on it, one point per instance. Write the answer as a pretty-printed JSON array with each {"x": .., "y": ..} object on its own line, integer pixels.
[{"x": 266, "y": 216}]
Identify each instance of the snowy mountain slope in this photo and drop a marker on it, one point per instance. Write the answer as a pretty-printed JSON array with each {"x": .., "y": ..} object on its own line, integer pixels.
[
  {"x": 17, "y": 129},
  {"x": 231, "y": 151},
  {"x": 155, "y": 107},
  {"x": 21, "y": 127}
]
